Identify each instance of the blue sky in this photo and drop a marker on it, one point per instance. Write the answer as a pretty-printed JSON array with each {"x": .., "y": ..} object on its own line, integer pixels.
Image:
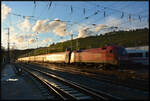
[{"x": 23, "y": 30}]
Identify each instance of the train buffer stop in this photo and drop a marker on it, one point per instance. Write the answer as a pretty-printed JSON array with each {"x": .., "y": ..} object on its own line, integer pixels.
[{"x": 15, "y": 87}]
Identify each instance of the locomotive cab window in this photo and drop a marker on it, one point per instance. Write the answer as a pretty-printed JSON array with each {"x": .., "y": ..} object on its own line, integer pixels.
[{"x": 111, "y": 51}]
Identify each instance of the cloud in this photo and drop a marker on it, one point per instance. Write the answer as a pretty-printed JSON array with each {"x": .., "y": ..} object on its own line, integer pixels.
[
  {"x": 29, "y": 35},
  {"x": 47, "y": 40},
  {"x": 31, "y": 41},
  {"x": 108, "y": 26},
  {"x": 19, "y": 38},
  {"x": 100, "y": 27},
  {"x": 111, "y": 21},
  {"x": 41, "y": 26},
  {"x": 25, "y": 25},
  {"x": 84, "y": 32},
  {"x": 21, "y": 42},
  {"x": 4, "y": 38},
  {"x": 12, "y": 36},
  {"x": 5, "y": 10},
  {"x": 57, "y": 26}
]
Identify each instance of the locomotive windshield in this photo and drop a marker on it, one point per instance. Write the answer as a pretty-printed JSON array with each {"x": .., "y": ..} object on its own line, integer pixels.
[{"x": 122, "y": 51}]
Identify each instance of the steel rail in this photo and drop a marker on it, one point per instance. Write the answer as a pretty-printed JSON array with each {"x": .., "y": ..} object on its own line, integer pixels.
[
  {"x": 82, "y": 89},
  {"x": 45, "y": 83},
  {"x": 140, "y": 82},
  {"x": 63, "y": 94}
]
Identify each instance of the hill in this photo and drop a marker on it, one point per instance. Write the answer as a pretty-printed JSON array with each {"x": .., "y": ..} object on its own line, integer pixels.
[{"x": 132, "y": 38}]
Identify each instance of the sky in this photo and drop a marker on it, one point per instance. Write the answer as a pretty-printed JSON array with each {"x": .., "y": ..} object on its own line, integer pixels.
[{"x": 41, "y": 23}]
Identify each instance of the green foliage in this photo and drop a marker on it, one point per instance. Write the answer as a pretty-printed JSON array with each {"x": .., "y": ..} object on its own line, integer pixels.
[{"x": 132, "y": 38}]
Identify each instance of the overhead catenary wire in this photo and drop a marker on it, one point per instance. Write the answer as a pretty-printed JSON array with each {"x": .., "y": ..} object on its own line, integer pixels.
[
  {"x": 117, "y": 25},
  {"x": 129, "y": 19},
  {"x": 50, "y": 4},
  {"x": 87, "y": 17},
  {"x": 43, "y": 11},
  {"x": 122, "y": 15},
  {"x": 92, "y": 15},
  {"x": 34, "y": 18},
  {"x": 115, "y": 12},
  {"x": 140, "y": 18},
  {"x": 34, "y": 4},
  {"x": 79, "y": 22},
  {"x": 127, "y": 13},
  {"x": 33, "y": 12},
  {"x": 84, "y": 11},
  {"x": 71, "y": 9}
]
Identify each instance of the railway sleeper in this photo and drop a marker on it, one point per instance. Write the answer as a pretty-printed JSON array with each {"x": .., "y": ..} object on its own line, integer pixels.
[
  {"x": 62, "y": 86},
  {"x": 83, "y": 97},
  {"x": 73, "y": 92},
  {"x": 79, "y": 94},
  {"x": 68, "y": 89}
]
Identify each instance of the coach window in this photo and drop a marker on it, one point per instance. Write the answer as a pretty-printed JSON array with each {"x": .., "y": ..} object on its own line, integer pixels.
[
  {"x": 139, "y": 55},
  {"x": 135, "y": 54}
]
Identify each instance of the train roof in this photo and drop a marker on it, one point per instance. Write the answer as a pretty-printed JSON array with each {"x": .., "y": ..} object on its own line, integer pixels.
[
  {"x": 138, "y": 48},
  {"x": 136, "y": 51}
]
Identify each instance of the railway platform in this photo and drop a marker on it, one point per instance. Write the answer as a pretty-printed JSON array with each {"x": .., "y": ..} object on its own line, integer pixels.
[{"x": 14, "y": 87}]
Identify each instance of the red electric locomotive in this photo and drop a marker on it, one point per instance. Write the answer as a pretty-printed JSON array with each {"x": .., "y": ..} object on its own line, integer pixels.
[{"x": 110, "y": 55}]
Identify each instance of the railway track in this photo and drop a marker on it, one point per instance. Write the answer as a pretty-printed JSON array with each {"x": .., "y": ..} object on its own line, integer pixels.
[
  {"x": 64, "y": 89},
  {"x": 140, "y": 84}
]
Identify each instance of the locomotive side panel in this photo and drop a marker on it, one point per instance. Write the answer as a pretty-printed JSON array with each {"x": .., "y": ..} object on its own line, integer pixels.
[
  {"x": 105, "y": 55},
  {"x": 89, "y": 57}
]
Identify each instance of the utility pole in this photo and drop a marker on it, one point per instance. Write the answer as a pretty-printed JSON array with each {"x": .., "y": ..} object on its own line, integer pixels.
[
  {"x": 8, "y": 47},
  {"x": 37, "y": 39},
  {"x": 28, "y": 44},
  {"x": 28, "y": 48},
  {"x": 71, "y": 41},
  {"x": 47, "y": 48},
  {"x": 77, "y": 44},
  {"x": 13, "y": 52}
]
